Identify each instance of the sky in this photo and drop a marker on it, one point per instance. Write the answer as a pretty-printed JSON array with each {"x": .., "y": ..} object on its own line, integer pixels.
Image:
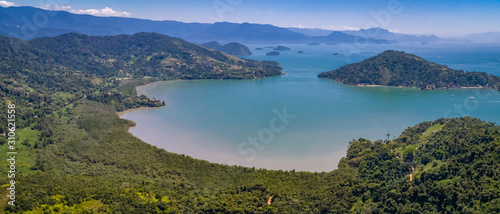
[{"x": 445, "y": 18}]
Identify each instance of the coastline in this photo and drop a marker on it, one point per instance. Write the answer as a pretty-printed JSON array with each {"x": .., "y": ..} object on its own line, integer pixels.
[
  {"x": 121, "y": 113},
  {"x": 463, "y": 87}
]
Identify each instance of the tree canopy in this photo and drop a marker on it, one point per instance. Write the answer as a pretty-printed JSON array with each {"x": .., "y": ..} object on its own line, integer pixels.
[{"x": 395, "y": 68}]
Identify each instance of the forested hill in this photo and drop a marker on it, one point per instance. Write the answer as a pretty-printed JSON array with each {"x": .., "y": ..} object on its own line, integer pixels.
[
  {"x": 442, "y": 166},
  {"x": 91, "y": 164},
  {"x": 394, "y": 68},
  {"x": 141, "y": 54}
]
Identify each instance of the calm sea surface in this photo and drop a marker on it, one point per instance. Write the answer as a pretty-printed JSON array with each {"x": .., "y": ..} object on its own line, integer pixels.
[{"x": 298, "y": 121}]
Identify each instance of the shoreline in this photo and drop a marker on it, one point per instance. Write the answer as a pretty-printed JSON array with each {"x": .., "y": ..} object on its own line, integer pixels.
[
  {"x": 388, "y": 86},
  {"x": 121, "y": 113}
]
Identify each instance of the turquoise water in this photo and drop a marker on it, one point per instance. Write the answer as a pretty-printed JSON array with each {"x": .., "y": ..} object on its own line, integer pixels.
[{"x": 213, "y": 119}]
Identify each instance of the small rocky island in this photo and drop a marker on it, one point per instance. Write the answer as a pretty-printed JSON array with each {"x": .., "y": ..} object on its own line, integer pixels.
[
  {"x": 300, "y": 52},
  {"x": 281, "y": 48},
  {"x": 400, "y": 69},
  {"x": 273, "y": 53}
]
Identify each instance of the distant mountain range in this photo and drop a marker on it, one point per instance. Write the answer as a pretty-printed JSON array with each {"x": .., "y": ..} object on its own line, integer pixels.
[
  {"x": 380, "y": 33},
  {"x": 61, "y": 22},
  {"x": 486, "y": 38},
  {"x": 18, "y": 22},
  {"x": 311, "y": 31}
]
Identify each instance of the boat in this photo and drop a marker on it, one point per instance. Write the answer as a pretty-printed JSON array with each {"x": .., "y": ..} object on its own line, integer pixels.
[{"x": 471, "y": 98}]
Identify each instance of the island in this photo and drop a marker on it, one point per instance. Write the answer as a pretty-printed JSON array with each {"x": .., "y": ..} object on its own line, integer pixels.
[
  {"x": 232, "y": 48},
  {"x": 273, "y": 53},
  {"x": 259, "y": 49},
  {"x": 281, "y": 48},
  {"x": 313, "y": 43},
  {"x": 396, "y": 68},
  {"x": 300, "y": 52}
]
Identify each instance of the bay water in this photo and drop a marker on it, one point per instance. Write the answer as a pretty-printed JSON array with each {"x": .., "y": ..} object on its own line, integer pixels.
[{"x": 299, "y": 121}]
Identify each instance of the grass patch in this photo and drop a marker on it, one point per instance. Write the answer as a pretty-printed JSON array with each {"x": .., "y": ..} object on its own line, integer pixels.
[
  {"x": 63, "y": 96},
  {"x": 26, "y": 155},
  {"x": 432, "y": 166},
  {"x": 432, "y": 130},
  {"x": 128, "y": 86}
]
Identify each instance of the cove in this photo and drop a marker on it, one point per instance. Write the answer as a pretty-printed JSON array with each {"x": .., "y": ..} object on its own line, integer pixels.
[{"x": 221, "y": 120}]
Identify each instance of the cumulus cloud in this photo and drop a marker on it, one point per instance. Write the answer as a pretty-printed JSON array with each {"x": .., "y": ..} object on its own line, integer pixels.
[
  {"x": 107, "y": 11},
  {"x": 102, "y": 12},
  {"x": 6, "y": 4}
]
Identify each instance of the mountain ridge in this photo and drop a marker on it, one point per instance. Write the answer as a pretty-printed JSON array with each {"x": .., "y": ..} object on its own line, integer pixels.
[{"x": 59, "y": 22}]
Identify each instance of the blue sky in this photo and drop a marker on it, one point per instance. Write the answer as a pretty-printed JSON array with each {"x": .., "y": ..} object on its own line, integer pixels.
[{"x": 439, "y": 17}]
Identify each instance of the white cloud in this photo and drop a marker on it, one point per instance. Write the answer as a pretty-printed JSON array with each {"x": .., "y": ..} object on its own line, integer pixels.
[
  {"x": 55, "y": 7},
  {"x": 95, "y": 12},
  {"x": 102, "y": 12},
  {"x": 6, "y": 4}
]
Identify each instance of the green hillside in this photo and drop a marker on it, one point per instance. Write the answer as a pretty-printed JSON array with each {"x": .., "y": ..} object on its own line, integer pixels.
[{"x": 394, "y": 68}]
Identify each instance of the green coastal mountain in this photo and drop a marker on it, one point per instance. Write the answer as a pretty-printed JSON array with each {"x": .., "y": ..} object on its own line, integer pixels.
[
  {"x": 147, "y": 54},
  {"x": 232, "y": 48},
  {"x": 394, "y": 68}
]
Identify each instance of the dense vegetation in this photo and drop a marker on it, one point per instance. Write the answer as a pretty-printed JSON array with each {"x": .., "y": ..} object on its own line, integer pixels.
[
  {"x": 394, "y": 68},
  {"x": 75, "y": 155},
  {"x": 91, "y": 163},
  {"x": 138, "y": 55}
]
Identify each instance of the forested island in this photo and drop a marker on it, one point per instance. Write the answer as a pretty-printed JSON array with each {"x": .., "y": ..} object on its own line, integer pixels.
[
  {"x": 281, "y": 48},
  {"x": 273, "y": 53},
  {"x": 232, "y": 48},
  {"x": 75, "y": 155},
  {"x": 395, "y": 68}
]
